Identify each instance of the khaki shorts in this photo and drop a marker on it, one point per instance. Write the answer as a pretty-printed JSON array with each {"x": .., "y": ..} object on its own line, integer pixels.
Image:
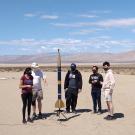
[
  {"x": 107, "y": 95},
  {"x": 37, "y": 95}
]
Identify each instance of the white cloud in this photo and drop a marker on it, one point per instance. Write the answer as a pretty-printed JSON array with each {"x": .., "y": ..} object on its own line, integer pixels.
[
  {"x": 85, "y": 32},
  {"x": 41, "y": 16},
  {"x": 93, "y": 44},
  {"x": 88, "y": 16},
  {"x": 117, "y": 22},
  {"x": 29, "y": 15},
  {"x": 101, "y": 11},
  {"x": 125, "y": 22},
  {"x": 51, "y": 17}
]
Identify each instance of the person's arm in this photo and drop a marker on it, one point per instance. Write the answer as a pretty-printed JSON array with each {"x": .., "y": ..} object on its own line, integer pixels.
[
  {"x": 80, "y": 81},
  {"x": 90, "y": 80},
  {"x": 66, "y": 82},
  {"x": 112, "y": 81},
  {"x": 21, "y": 85},
  {"x": 44, "y": 78},
  {"x": 101, "y": 80}
]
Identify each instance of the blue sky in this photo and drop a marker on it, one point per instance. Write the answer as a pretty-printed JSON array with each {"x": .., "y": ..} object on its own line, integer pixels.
[{"x": 74, "y": 26}]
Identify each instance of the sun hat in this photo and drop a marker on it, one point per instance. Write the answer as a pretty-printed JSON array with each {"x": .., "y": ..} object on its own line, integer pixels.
[{"x": 34, "y": 65}]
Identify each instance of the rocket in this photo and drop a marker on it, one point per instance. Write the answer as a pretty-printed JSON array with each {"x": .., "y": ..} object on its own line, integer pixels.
[{"x": 59, "y": 103}]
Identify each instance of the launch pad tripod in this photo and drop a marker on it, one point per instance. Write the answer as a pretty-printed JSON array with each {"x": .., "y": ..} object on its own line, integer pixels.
[{"x": 60, "y": 112}]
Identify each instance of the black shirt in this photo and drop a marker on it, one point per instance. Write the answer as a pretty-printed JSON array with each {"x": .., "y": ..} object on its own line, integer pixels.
[
  {"x": 96, "y": 77},
  {"x": 73, "y": 80}
]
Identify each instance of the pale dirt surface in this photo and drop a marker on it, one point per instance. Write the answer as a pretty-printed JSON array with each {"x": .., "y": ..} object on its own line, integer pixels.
[{"x": 83, "y": 123}]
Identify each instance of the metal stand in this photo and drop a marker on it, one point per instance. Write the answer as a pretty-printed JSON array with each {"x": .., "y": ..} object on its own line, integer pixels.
[{"x": 60, "y": 112}]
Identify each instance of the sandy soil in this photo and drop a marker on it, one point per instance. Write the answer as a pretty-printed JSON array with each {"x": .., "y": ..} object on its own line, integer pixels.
[{"x": 82, "y": 123}]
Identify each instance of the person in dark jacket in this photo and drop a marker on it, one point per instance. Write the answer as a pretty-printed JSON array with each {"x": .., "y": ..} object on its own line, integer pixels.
[
  {"x": 96, "y": 81},
  {"x": 72, "y": 86}
]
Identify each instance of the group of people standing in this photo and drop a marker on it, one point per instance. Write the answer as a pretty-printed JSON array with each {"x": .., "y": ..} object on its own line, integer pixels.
[
  {"x": 30, "y": 83},
  {"x": 73, "y": 85}
]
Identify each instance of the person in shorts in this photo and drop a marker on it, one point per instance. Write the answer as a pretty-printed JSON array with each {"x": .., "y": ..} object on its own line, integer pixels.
[
  {"x": 108, "y": 87},
  {"x": 38, "y": 76}
]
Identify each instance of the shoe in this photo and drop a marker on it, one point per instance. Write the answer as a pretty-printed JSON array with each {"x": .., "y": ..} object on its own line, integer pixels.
[
  {"x": 94, "y": 112},
  {"x": 40, "y": 116},
  {"x": 34, "y": 116},
  {"x": 110, "y": 117},
  {"x": 30, "y": 120},
  {"x": 99, "y": 112},
  {"x": 67, "y": 111},
  {"x": 107, "y": 117},
  {"x": 74, "y": 111},
  {"x": 24, "y": 121}
]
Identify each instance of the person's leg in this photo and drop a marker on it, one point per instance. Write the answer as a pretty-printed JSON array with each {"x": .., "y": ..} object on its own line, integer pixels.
[
  {"x": 93, "y": 94},
  {"x": 39, "y": 106},
  {"x": 110, "y": 104},
  {"x": 34, "y": 97},
  {"x": 73, "y": 102},
  {"x": 24, "y": 100},
  {"x": 39, "y": 99},
  {"x": 29, "y": 104},
  {"x": 68, "y": 101},
  {"x": 110, "y": 108},
  {"x": 99, "y": 101}
]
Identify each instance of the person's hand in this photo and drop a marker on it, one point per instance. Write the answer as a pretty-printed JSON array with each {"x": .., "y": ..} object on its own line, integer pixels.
[
  {"x": 80, "y": 90},
  {"x": 95, "y": 81},
  {"x": 111, "y": 91},
  {"x": 65, "y": 89},
  {"x": 29, "y": 86}
]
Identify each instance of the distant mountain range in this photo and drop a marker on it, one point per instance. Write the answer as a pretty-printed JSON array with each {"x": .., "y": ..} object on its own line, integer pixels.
[{"x": 126, "y": 57}]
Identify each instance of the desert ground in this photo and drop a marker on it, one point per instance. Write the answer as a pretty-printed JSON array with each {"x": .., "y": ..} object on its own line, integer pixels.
[{"x": 82, "y": 123}]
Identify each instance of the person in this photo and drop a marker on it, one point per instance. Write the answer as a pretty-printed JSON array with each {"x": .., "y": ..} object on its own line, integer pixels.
[
  {"x": 38, "y": 75},
  {"x": 72, "y": 85},
  {"x": 26, "y": 83},
  {"x": 108, "y": 87},
  {"x": 96, "y": 81}
]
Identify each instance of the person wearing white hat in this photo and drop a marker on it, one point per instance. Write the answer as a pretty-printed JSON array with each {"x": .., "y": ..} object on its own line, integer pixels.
[{"x": 38, "y": 76}]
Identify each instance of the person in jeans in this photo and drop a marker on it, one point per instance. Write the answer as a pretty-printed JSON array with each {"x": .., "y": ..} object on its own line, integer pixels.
[
  {"x": 26, "y": 84},
  {"x": 72, "y": 85},
  {"x": 96, "y": 81}
]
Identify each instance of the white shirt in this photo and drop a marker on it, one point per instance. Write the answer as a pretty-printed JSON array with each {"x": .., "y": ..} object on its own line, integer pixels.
[
  {"x": 109, "y": 80},
  {"x": 37, "y": 76}
]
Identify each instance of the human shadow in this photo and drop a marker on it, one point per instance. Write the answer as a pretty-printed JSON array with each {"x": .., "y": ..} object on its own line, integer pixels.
[
  {"x": 118, "y": 115},
  {"x": 83, "y": 110},
  {"x": 104, "y": 110},
  {"x": 44, "y": 116},
  {"x": 67, "y": 119}
]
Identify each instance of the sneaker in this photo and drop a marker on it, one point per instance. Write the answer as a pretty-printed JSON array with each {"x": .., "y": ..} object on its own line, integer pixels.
[
  {"x": 94, "y": 112},
  {"x": 74, "y": 111},
  {"x": 107, "y": 117},
  {"x": 67, "y": 111},
  {"x": 110, "y": 117},
  {"x": 34, "y": 116},
  {"x": 24, "y": 121},
  {"x": 99, "y": 112},
  {"x": 40, "y": 116},
  {"x": 29, "y": 120}
]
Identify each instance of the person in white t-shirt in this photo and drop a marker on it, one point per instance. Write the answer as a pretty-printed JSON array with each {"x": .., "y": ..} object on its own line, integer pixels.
[
  {"x": 108, "y": 87},
  {"x": 38, "y": 76}
]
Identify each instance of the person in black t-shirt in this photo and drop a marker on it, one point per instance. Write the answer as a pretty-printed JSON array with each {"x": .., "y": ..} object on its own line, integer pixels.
[
  {"x": 96, "y": 80},
  {"x": 72, "y": 85}
]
